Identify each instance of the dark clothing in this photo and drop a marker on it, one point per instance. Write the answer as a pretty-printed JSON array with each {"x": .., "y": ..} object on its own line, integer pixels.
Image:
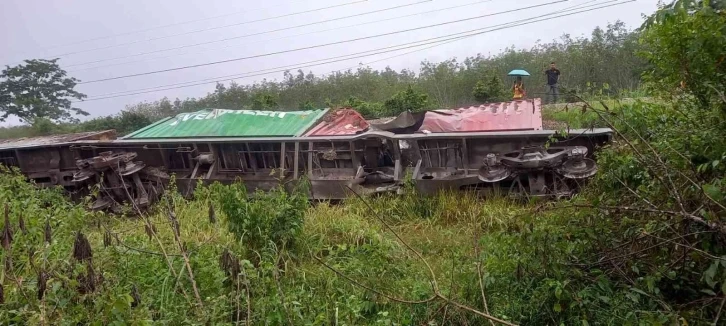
[
  {"x": 553, "y": 75},
  {"x": 553, "y": 92}
]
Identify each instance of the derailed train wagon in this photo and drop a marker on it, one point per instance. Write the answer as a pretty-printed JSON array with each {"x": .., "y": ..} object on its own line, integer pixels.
[{"x": 492, "y": 146}]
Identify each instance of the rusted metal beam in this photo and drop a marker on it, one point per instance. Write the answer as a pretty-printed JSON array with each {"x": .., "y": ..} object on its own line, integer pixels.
[
  {"x": 354, "y": 157},
  {"x": 253, "y": 160},
  {"x": 282, "y": 160},
  {"x": 310, "y": 159},
  {"x": 397, "y": 157},
  {"x": 417, "y": 169},
  {"x": 212, "y": 169},
  {"x": 465, "y": 155},
  {"x": 296, "y": 160}
]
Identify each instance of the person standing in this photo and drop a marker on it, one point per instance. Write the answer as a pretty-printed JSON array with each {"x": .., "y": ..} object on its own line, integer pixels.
[
  {"x": 518, "y": 88},
  {"x": 553, "y": 77}
]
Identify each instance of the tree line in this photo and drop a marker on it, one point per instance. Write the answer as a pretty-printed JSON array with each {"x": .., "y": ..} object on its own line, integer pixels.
[{"x": 605, "y": 62}]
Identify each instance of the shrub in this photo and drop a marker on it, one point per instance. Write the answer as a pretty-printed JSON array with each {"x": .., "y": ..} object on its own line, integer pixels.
[
  {"x": 408, "y": 100},
  {"x": 273, "y": 217}
]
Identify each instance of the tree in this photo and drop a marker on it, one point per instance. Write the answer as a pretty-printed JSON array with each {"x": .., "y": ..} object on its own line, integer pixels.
[
  {"x": 497, "y": 91},
  {"x": 369, "y": 110},
  {"x": 490, "y": 91},
  {"x": 261, "y": 101},
  {"x": 43, "y": 127},
  {"x": 307, "y": 105},
  {"x": 124, "y": 122},
  {"x": 481, "y": 92},
  {"x": 684, "y": 45},
  {"x": 38, "y": 89},
  {"x": 408, "y": 100}
]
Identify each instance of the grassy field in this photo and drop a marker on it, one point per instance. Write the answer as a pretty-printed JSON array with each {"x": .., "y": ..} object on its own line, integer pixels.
[
  {"x": 578, "y": 115},
  {"x": 133, "y": 281}
]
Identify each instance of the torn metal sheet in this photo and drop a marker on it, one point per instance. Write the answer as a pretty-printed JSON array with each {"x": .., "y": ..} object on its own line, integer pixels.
[
  {"x": 105, "y": 135},
  {"x": 506, "y": 116},
  {"x": 342, "y": 122},
  {"x": 404, "y": 123},
  {"x": 515, "y": 115}
]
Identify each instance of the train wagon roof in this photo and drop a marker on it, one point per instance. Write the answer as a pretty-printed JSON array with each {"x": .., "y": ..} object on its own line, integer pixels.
[
  {"x": 231, "y": 123},
  {"x": 343, "y": 122},
  {"x": 504, "y": 116},
  {"x": 27, "y": 142}
]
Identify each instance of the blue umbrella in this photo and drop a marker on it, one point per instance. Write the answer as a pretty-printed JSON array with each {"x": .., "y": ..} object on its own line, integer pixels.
[{"x": 518, "y": 72}]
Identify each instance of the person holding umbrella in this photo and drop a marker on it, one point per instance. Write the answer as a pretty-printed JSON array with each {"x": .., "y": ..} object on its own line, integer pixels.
[{"x": 518, "y": 87}]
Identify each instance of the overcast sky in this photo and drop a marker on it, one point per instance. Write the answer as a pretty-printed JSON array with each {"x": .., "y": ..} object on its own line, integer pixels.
[{"x": 57, "y": 28}]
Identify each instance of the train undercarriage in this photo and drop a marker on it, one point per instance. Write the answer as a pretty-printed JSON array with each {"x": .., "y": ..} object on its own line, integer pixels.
[{"x": 136, "y": 173}]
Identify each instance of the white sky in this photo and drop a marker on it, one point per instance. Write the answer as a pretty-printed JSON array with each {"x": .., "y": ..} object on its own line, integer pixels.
[{"x": 41, "y": 28}]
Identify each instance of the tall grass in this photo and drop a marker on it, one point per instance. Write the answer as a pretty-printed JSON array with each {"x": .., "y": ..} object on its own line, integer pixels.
[{"x": 136, "y": 285}]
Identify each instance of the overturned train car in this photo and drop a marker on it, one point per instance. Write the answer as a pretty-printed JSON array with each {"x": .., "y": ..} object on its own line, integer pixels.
[{"x": 499, "y": 146}]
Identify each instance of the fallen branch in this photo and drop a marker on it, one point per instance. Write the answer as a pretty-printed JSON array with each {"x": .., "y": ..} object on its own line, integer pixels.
[
  {"x": 147, "y": 221},
  {"x": 143, "y": 251},
  {"x": 361, "y": 285},
  {"x": 182, "y": 248},
  {"x": 720, "y": 308},
  {"x": 712, "y": 225},
  {"x": 479, "y": 273}
]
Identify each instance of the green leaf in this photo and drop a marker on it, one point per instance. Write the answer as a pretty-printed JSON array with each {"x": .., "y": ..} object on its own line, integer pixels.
[
  {"x": 713, "y": 191},
  {"x": 633, "y": 297},
  {"x": 650, "y": 282},
  {"x": 638, "y": 291},
  {"x": 672, "y": 275},
  {"x": 557, "y": 307},
  {"x": 558, "y": 292},
  {"x": 710, "y": 273}
]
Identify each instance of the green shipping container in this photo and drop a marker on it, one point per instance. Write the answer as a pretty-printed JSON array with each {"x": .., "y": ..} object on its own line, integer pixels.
[{"x": 232, "y": 123}]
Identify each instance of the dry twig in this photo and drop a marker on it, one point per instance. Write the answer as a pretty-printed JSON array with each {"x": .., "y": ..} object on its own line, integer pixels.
[{"x": 479, "y": 273}]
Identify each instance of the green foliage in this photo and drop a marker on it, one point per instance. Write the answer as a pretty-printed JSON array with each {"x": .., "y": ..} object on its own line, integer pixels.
[
  {"x": 660, "y": 261},
  {"x": 38, "y": 89},
  {"x": 366, "y": 109},
  {"x": 158, "y": 110},
  {"x": 43, "y": 126},
  {"x": 263, "y": 101},
  {"x": 274, "y": 217},
  {"x": 408, "y": 100},
  {"x": 684, "y": 44},
  {"x": 124, "y": 123},
  {"x": 307, "y": 105},
  {"x": 491, "y": 90}
]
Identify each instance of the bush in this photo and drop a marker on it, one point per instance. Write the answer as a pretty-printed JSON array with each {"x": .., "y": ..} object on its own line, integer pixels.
[
  {"x": 684, "y": 45},
  {"x": 490, "y": 90},
  {"x": 273, "y": 217},
  {"x": 369, "y": 110},
  {"x": 408, "y": 100}
]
